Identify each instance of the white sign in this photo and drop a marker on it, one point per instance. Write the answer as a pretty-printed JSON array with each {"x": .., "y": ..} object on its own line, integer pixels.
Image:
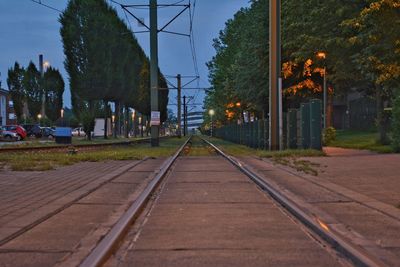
[{"x": 155, "y": 118}]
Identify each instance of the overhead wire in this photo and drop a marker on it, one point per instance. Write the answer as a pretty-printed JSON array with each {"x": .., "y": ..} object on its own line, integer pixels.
[{"x": 39, "y": 2}]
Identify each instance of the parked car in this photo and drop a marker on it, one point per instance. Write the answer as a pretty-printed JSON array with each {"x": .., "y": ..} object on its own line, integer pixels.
[
  {"x": 78, "y": 132},
  {"x": 19, "y": 130},
  {"x": 33, "y": 130},
  {"x": 48, "y": 132},
  {"x": 8, "y": 135}
]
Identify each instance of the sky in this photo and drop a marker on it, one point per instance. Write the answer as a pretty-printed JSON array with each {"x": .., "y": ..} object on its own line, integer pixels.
[{"x": 28, "y": 29}]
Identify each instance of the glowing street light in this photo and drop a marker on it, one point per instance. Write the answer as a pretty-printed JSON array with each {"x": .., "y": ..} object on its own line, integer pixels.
[
  {"x": 39, "y": 116},
  {"x": 46, "y": 64},
  {"x": 62, "y": 113},
  {"x": 211, "y": 112}
]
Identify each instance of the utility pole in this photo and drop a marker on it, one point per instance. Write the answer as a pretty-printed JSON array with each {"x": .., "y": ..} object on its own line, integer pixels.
[
  {"x": 186, "y": 120},
  {"x": 274, "y": 73},
  {"x": 155, "y": 114},
  {"x": 325, "y": 99},
  {"x": 41, "y": 69},
  {"x": 179, "y": 130},
  {"x": 184, "y": 115}
]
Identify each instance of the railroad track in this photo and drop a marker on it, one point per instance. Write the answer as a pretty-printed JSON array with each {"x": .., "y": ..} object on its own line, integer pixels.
[
  {"x": 318, "y": 229},
  {"x": 74, "y": 146}
]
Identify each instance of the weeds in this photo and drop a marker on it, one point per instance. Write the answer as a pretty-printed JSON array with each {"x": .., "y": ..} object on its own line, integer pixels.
[{"x": 41, "y": 161}]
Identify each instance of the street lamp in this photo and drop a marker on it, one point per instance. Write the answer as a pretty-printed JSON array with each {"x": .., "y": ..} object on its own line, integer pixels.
[
  {"x": 62, "y": 113},
  {"x": 113, "y": 125},
  {"x": 133, "y": 123},
  {"x": 140, "y": 126},
  {"x": 46, "y": 64},
  {"x": 43, "y": 65},
  {"x": 211, "y": 112},
  {"x": 39, "y": 116},
  {"x": 322, "y": 55}
]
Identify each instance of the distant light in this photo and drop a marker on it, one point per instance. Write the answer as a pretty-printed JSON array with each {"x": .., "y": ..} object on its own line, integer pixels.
[
  {"x": 238, "y": 104},
  {"x": 39, "y": 116},
  {"x": 211, "y": 112},
  {"x": 46, "y": 64},
  {"x": 321, "y": 55}
]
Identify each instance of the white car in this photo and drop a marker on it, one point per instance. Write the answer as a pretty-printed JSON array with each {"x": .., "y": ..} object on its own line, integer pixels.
[{"x": 78, "y": 132}]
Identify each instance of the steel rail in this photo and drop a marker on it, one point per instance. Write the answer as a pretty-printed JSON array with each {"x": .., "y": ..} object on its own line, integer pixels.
[
  {"x": 55, "y": 147},
  {"x": 105, "y": 247},
  {"x": 358, "y": 255}
]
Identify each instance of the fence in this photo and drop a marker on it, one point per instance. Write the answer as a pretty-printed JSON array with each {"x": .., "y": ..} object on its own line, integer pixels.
[
  {"x": 253, "y": 134},
  {"x": 301, "y": 129}
]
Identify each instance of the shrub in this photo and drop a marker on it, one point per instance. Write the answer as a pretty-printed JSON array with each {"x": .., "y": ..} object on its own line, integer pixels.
[
  {"x": 328, "y": 135},
  {"x": 396, "y": 123}
]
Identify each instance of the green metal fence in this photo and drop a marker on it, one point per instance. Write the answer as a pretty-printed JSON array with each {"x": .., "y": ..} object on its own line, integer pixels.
[
  {"x": 253, "y": 134},
  {"x": 301, "y": 129}
]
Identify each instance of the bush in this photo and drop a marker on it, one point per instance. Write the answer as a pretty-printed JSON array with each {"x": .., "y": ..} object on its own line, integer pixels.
[
  {"x": 88, "y": 123},
  {"x": 328, "y": 135},
  {"x": 396, "y": 123}
]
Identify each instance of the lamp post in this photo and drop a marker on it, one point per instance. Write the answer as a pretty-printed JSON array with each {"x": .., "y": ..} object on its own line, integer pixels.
[
  {"x": 140, "y": 126},
  {"x": 42, "y": 66},
  {"x": 39, "y": 116},
  {"x": 211, "y": 112},
  {"x": 133, "y": 123},
  {"x": 113, "y": 125},
  {"x": 322, "y": 55}
]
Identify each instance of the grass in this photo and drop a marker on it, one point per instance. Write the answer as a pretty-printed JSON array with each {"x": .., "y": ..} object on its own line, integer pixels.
[
  {"x": 291, "y": 158},
  {"x": 196, "y": 147},
  {"x": 360, "y": 140},
  {"x": 34, "y": 161},
  {"x": 32, "y": 142}
]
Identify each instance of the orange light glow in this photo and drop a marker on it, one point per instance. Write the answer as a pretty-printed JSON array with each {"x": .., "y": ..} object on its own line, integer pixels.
[
  {"x": 323, "y": 225},
  {"x": 321, "y": 55},
  {"x": 238, "y": 104}
]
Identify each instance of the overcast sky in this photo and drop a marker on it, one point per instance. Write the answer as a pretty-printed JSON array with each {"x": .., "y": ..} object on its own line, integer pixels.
[{"x": 28, "y": 29}]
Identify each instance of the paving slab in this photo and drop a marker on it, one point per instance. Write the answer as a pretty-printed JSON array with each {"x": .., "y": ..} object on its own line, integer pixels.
[
  {"x": 31, "y": 259},
  {"x": 374, "y": 175},
  {"x": 211, "y": 218},
  {"x": 361, "y": 217},
  {"x": 89, "y": 213}
]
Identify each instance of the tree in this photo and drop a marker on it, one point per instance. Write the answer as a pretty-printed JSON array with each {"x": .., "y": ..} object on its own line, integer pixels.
[
  {"x": 104, "y": 60},
  {"x": 31, "y": 83},
  {"x": 375, "y": 38},
  {"x": 17, "y": 91},
  {"x": 54, "y": 89}
]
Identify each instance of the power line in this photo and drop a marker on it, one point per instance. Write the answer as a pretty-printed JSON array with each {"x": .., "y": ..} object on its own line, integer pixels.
[{"x": 39, "y": 2}]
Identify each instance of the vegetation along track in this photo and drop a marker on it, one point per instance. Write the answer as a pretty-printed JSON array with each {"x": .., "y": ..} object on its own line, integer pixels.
[
  {"x": 112, "y": 240},
  {"x": 68, "y": 147}
]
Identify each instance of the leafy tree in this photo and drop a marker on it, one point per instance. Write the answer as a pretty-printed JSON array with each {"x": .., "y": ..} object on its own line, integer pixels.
[
  {"x": 239, "y": 70},
  {"x": 376, "y": 32},
  {"x": 104, "y": 60},
  {"x": 54, "y": 89},
  {"x": 31, "y": 83},
  {"x": 17, "y": 91}
]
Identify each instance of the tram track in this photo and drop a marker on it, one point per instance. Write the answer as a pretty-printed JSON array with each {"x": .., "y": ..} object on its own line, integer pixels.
[
  {"x": 68, "y": 147},
  {"x": 110, "y": 243}
]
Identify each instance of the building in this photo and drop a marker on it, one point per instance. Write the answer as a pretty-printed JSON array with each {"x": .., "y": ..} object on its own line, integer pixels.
[{"x": 7, "y": 113}]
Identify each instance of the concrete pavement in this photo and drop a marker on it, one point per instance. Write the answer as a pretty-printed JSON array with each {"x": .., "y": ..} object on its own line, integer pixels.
[
  {"x": 355, "y": 192},
  {"x": 210, "y": 214}
]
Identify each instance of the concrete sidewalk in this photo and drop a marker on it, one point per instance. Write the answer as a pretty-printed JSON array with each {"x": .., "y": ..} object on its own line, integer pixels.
[
  {"x": 66, "y": 211},
  {"x": 356, "y": 191},
  {"x": 368, "y": 173},
  {"x": 210, "y": 214}
]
